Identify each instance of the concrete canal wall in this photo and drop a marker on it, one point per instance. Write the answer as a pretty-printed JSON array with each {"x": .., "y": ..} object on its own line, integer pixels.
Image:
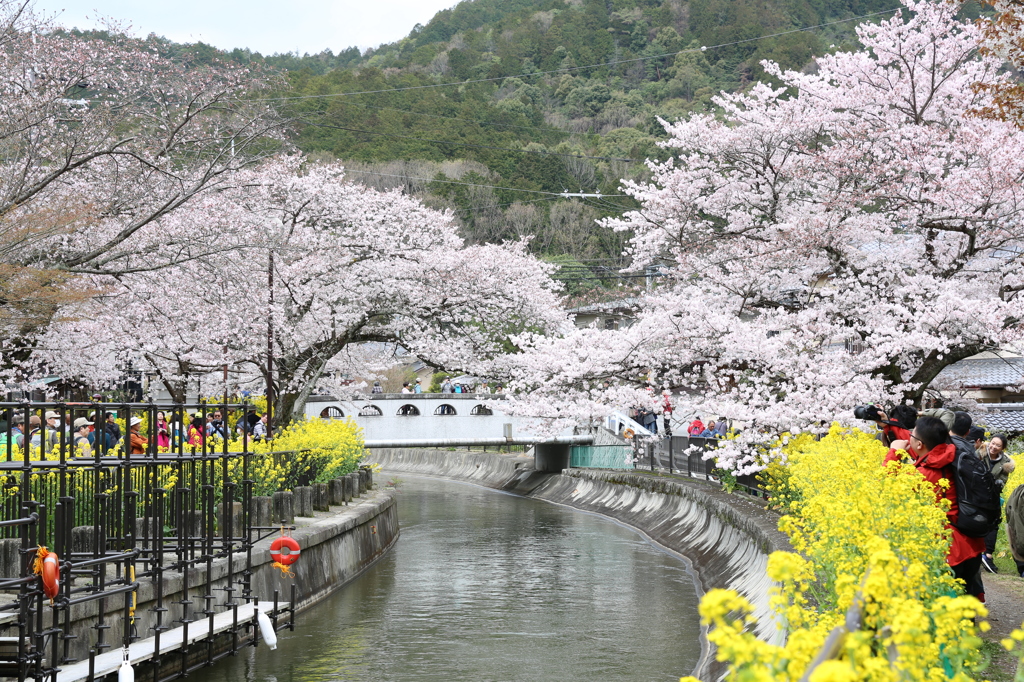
[{"x": 725, "y": 538}]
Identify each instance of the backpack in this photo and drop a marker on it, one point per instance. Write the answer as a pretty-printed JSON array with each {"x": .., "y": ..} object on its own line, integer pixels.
[
  {"x": 1015, "y": 522},
  {"x": 976, "y": 494}
]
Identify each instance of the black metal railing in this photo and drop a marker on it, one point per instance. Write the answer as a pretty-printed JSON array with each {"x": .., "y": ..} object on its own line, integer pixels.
[
  {"x": 687, "y": 455},
  {"x": 117, "y": 513}
]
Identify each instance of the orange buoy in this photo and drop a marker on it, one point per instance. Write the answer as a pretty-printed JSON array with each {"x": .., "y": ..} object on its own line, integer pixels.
[
  {"x": 47, "y": 567},
  {"x": 284, "y": 550},
  {"x": 51, "y": 575}
]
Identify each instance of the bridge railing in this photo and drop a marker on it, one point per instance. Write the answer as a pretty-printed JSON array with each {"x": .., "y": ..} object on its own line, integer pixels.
[{"x": 617, "y": 423}]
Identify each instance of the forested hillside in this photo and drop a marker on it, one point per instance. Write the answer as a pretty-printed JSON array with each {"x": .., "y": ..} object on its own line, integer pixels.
[{"x": 493, "y": 103}]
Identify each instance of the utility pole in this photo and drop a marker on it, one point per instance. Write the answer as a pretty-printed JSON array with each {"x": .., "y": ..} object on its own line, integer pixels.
[{"x": 270, "y": 344}]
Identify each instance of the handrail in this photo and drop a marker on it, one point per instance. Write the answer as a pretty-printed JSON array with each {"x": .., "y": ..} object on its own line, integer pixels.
[{"x": 616, "y": 422}]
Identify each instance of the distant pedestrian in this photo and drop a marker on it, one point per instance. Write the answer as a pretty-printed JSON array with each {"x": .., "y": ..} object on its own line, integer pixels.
[
  {"x": 710, "y": 430},
  {"x": 1000, "y": 465},
  {"x": 112, "y": 427},
  {"x": 35, "y": 437},
  {"x": 102, "y": 437},
  {"x": 138, "y": 442},
  {"x": 377, "y": 388},
  {"x": 15, "y": 436},
  {"x": 406, "y": 389},
  {"x": 696, "y": 427},
  {"x": 51, "y": 433},
  {"x": 217, "y": 428},
  {"x": 82, "y": 448},
  {"x": 721, "y": 428},
  {"x": 666, "y": 411},
  {"x": 446, "y": 386},
  {"x": 649, "y": 420},
  {"x": 197, "y": 431},
  {"x": 163, "y": 431},
  {"x": 418, "y": 388},
  {"x": 259, "y": 431}
]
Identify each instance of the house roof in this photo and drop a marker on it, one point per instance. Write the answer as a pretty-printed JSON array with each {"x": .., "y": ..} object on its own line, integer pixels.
[
  {"x": 984, "y": 372},
  {"x": 1003, "y": 417}
]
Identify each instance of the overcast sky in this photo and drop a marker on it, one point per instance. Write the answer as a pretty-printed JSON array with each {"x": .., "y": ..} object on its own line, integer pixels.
[{"x": 266, "y": 26}]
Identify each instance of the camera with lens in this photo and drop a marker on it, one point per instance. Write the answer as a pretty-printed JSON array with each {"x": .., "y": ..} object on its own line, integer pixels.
[{"x": 869, "y": 412}]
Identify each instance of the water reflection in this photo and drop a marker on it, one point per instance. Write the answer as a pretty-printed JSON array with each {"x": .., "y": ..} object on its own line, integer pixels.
[{"x": 486, "y": 586}]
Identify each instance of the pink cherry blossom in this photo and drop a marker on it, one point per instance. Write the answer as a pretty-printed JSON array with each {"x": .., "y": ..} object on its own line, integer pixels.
[{"x": 836, "y": 240}]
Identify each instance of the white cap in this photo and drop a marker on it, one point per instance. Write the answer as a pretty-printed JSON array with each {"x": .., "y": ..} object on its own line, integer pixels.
[{"x": 135, "y": 420}]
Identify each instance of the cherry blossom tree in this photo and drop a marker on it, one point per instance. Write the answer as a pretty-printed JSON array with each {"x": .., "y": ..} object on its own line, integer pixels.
[
  {"x": 100, "y": 137},
  {"x": 351, "y": 266},
  {"x": 838, "y": 239}
]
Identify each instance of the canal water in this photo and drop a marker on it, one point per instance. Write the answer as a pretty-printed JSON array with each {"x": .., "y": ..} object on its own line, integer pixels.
[{"x": 482, "y": 586}]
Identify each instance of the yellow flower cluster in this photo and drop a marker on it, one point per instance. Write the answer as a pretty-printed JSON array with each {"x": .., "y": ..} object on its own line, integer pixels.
[
  {"x": 319, "y": 450},
  {"x": 869, "y": 583},
  {"x": 1017, "y": 476},
  {"x": 305, "y": 452}
]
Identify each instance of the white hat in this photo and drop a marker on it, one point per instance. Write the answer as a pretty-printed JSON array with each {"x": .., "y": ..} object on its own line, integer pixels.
[
  {"x": 52, "y": 415},
  {"x": 135, "y": 420},
  {"x": 82, "y": 421}
]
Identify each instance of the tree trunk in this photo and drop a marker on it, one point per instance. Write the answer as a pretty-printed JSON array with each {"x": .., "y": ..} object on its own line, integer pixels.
[
  {"x": 933, "y": 365},
  {"x": 295, "y": 379}
]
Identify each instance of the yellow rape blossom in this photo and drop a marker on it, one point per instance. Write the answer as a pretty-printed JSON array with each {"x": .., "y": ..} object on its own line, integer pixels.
[{"x": 869, "y": 575}]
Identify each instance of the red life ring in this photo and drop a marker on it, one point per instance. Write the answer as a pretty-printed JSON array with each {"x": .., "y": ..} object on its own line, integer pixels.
[
  {"x": 51, "y": 575},
  {"x": 284, "y": 550}
]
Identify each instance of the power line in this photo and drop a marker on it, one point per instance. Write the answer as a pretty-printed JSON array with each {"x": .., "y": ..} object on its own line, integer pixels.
[
  {"x": 466, "y": 144},
  {"x": 467, "y": 184},
  {"x": 457, "y": 118},
  {"x": 703, "y": 48},
  {"x": 507, "y": 203}
]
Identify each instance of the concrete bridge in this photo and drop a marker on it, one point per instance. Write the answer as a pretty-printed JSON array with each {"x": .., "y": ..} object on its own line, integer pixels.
[{"x": 397, "y": 420}]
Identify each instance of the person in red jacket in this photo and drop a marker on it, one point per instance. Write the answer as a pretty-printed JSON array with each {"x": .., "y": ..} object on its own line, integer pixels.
[
  {"x": 930, "y": 450},
  {"x": 696, "y": 426}
]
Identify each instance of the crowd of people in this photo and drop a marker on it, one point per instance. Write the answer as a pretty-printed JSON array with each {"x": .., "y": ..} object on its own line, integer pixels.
[
  {"x": 101, "y": 431},
  {"x": 713, "y": 429},
  {"x": 941, "y": 444},
  {"x": 447, "y": 386}
]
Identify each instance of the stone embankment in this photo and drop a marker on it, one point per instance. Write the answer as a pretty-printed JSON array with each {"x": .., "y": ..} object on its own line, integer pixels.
[{"x": 725, "y": 538}]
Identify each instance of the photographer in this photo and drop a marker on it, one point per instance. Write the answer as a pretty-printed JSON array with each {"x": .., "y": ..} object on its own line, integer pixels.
[
  {"x": 217, "y": 427},
  {"x": 932, "y": 453},
  {"x": 898, "y": 427}
]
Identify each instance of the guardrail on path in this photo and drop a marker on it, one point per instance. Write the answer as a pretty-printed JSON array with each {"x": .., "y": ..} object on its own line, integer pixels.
[{"x": 671, "y": 454}]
